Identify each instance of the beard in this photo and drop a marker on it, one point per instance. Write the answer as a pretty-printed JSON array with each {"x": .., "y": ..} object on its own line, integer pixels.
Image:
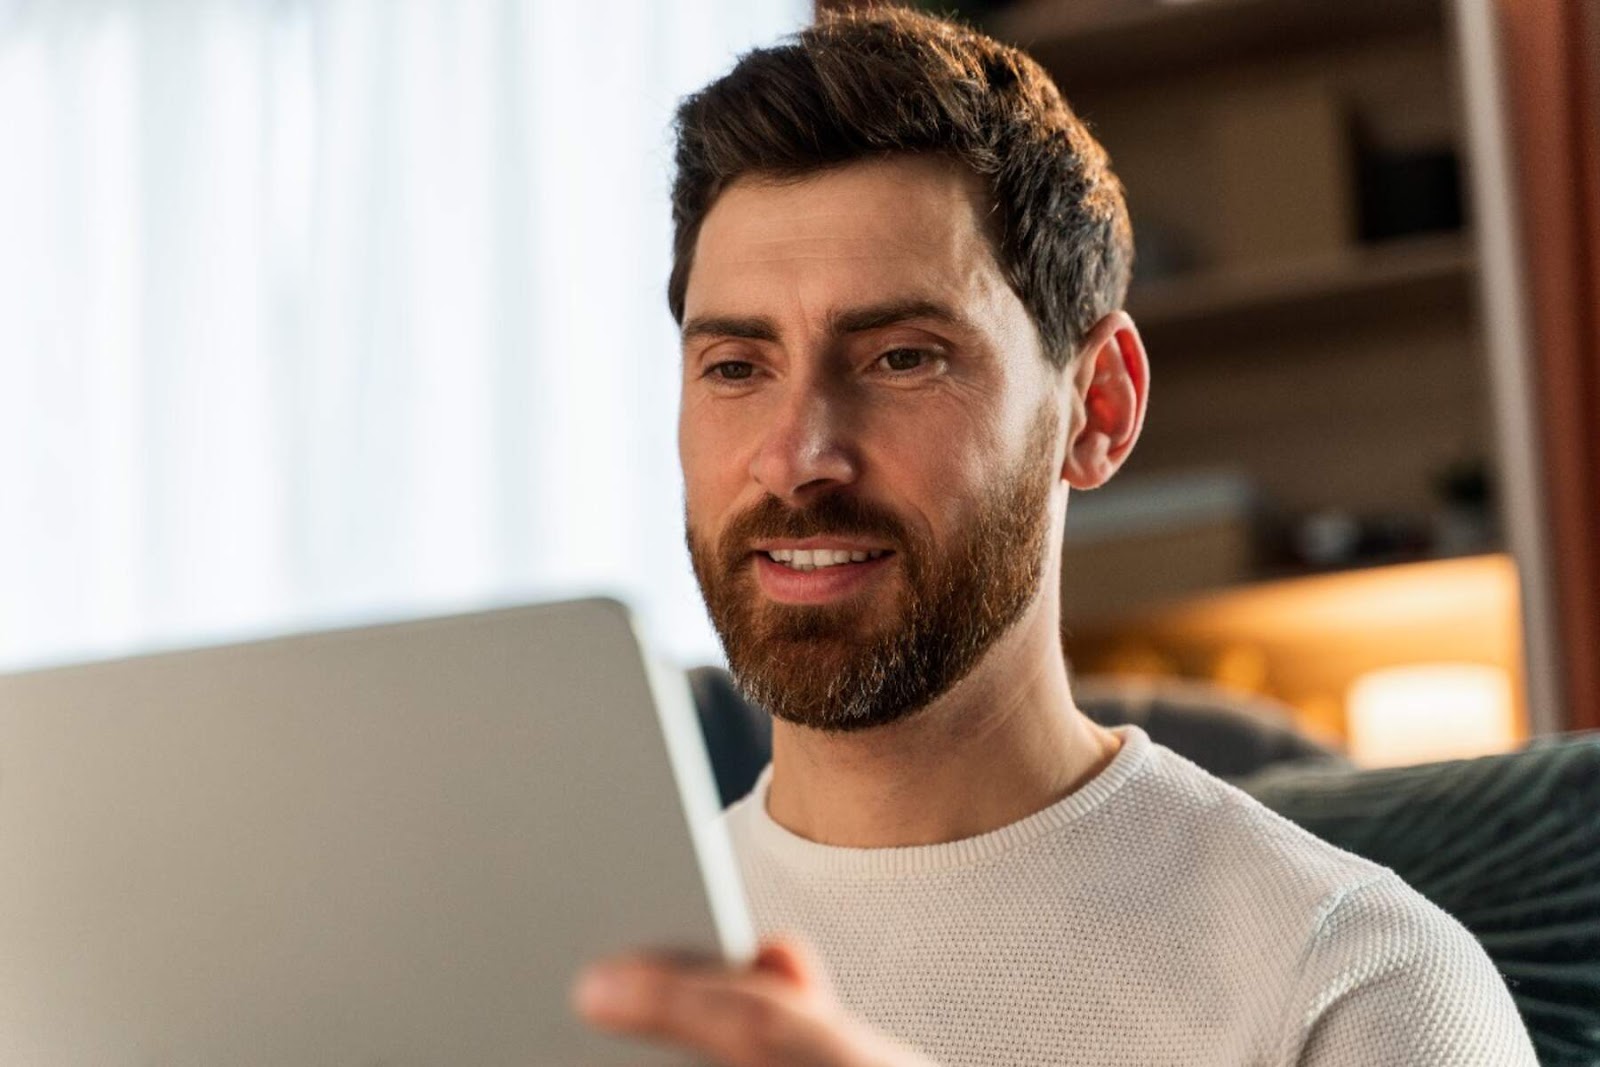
[{"x": 845, "y": 666}]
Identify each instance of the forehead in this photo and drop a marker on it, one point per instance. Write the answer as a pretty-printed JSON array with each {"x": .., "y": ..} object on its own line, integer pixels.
[{"x": 905, "y": 228}]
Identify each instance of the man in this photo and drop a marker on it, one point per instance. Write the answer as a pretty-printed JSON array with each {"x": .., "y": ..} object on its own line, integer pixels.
[{"x": 900, "y": 263}]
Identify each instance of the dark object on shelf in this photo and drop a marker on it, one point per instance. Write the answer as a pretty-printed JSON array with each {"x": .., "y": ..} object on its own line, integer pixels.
[
  {"x": 1466, "y": 483},
  {"x": 1466, "y": 522},
  {"x": 1409, "y": 192},
  {"x": 1327, "y": 538},
  {"x": 1335, "y": 538}
]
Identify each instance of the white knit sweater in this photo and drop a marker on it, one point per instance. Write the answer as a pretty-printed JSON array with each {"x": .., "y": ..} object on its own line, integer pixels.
[{"x": 1155, "y": 916}]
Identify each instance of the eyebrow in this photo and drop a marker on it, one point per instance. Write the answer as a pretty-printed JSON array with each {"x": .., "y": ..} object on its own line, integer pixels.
[
  {"x": 892, "y": 313},
  {"x": 847, "y": 321},
  {"x": 746, "y": 329}
]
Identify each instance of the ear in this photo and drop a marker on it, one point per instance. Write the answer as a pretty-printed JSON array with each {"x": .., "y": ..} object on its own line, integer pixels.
[{"x": 1111, "y": 383}]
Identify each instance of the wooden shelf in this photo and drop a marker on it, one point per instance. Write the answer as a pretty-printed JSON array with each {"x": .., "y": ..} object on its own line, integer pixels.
[
  {"x": 1424, "y": 275},
  {"x": 1096, "y": 43},
  {"x": 1304, "y": 640},
  {"x": 1354, "y": 599}
]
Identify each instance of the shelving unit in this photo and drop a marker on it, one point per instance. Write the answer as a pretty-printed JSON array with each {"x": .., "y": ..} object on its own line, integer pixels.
[
  {"x": 1259, "y": 140},
  {"x": 1427, "y": 275},
  {"x": 1315, "y": 342}
]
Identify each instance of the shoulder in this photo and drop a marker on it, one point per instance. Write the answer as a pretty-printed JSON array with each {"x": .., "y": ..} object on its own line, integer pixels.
[
  {"x": 1392, "y": 979},
  {"x": 1372, "y": 972},
  {"x": 1216, "y": 830}
]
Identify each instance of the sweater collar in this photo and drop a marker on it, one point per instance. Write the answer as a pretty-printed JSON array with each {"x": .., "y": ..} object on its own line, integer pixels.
[{"x": 751, "y": 824}]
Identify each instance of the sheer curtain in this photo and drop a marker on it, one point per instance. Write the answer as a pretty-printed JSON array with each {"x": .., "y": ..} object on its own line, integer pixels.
[{"x": 315, "y": 312}]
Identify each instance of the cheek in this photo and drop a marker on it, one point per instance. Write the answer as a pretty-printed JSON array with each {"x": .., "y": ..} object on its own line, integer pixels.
[
  {"x": 946, "y": 440},
  {"x": 698, "y": 484},
  {"x": 932, "y": 479},
  {"x": 713, "y": 470}
]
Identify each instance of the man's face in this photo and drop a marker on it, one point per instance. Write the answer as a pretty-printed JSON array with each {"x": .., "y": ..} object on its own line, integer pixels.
[{"x": 869, "y": 436}]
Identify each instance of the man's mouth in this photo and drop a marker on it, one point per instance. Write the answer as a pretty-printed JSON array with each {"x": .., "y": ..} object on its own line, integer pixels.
[
  {"x": 811, "y": 559},
  {"x": 818, "y": 573}
]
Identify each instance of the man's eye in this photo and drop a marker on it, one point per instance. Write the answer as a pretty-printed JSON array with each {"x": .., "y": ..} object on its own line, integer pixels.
[
  {"x": 732, "y": 370},
  {"x": 904, "y": 359}
]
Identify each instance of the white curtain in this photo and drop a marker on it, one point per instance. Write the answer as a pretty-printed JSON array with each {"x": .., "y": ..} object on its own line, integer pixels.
[{"x": 313, "y": 313}]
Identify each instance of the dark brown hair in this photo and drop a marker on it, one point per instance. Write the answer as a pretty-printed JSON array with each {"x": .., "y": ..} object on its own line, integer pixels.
[{"x": 882, "y": 82}]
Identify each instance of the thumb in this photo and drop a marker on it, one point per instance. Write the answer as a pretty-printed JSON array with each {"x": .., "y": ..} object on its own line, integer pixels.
[{"x": 794, "y": 962}]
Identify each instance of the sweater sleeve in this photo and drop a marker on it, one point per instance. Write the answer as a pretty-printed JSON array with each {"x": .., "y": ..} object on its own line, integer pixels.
[{"x": 1390, "y": 979}]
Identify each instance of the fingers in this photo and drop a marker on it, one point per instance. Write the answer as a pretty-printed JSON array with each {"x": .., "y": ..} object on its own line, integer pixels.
[
  {"x": 737, "y": 1018},
  {"x": 791, "y": 960}
]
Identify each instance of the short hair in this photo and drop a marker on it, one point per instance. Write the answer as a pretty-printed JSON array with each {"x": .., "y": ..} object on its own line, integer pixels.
[{"x": 879, "y": 83}]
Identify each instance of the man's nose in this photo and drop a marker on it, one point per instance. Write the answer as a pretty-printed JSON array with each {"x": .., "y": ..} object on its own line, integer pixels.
[{"x": 806, "y": 448}]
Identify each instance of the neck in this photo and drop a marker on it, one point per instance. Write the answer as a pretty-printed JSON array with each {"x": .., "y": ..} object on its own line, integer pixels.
[{"x": 1003, "y": 743}]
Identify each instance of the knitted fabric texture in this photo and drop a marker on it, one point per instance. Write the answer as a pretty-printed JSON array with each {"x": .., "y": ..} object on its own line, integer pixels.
[{"x": 1155, "y": 916}]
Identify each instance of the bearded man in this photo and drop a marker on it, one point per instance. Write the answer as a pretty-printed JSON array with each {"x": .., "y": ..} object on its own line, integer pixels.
[{"x": 900, "y": 262}]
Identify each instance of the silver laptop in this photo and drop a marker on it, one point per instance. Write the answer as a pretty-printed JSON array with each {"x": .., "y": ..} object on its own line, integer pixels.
[{"x": 390, "y": 845}]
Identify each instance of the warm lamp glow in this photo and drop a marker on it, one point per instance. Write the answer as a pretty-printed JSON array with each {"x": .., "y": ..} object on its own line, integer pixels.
[{"x": 1435, "y": 711}]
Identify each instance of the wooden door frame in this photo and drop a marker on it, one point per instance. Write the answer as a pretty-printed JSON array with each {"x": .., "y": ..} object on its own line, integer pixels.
[{"x": 1551, "y": 62}]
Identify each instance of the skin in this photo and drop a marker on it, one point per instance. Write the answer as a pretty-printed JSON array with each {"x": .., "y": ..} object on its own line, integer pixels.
[{"x": 920, "y": 414}]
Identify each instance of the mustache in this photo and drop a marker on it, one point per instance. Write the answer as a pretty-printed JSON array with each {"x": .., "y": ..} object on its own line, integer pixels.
[{"x": 836, "y": 515}]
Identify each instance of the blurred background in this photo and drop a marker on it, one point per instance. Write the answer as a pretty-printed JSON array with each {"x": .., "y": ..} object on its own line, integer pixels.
[
  {"x": 318, "y": 313},
  {"x": 1367, "y": 236}
]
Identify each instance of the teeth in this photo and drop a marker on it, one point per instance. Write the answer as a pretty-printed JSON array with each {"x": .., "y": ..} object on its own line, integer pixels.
[{"x": 808, "y": 559}]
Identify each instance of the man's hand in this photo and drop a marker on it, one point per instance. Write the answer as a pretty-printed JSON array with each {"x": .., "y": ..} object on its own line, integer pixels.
[{"x": 778, "y": 1012}]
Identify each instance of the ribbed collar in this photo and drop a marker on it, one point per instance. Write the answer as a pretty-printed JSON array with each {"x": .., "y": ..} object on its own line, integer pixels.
[{"x": 749, "y": 820}]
